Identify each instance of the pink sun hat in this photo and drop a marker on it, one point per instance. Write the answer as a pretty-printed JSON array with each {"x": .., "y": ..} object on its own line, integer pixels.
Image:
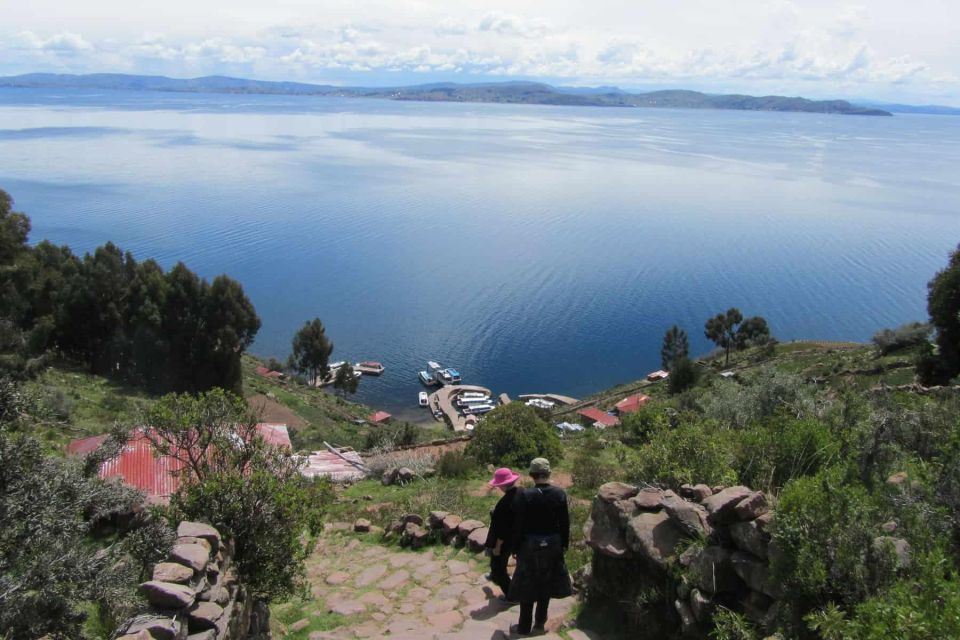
[{"x": 503, "y": 477}]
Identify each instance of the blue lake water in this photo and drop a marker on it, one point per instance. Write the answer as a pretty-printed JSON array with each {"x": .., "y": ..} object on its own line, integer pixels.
[{"x": 537, "y": 249}]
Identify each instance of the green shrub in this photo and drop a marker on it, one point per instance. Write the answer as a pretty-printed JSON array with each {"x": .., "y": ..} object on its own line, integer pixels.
[
  {"x": 824, "y": 533},
  {"x": 591, "y": 464},
  {"x": 683, "y": 375},
  {"x": 730, "y": 625},
  {"x": 778, "y": 450},
  {"x": 512, "y": 435},
  {"x": 903, "y": 337},
  {"x": 454, "y": 464},
  {"x": 695, "y": 451}
]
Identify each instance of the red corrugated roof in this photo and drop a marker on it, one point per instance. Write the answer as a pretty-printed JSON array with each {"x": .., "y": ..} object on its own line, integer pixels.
[
  {"x": 379, "y": 416},
  {"x": 157, "y": 476},
  {"x": 632, "y": 404},
  {"x": 599, "y": 416}
]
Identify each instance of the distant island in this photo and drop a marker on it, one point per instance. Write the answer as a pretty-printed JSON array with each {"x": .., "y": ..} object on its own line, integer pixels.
[{"x": 517, "y": 92}]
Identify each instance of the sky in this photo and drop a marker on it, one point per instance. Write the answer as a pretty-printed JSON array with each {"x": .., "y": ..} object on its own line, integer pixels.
[{"x": 887, "y": 50}]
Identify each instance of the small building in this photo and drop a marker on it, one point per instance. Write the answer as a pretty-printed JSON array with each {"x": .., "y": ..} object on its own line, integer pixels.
[
  {"x": 265, "y": 372},
  {"x": 339, "y": 464},
  {"x": 380, "y": 417},
  {"x": 659, "y": 374},
  {"x": 157, "y": 476},
  {"x": 599, "y": 418},
  {"x": 631, "y": 404}
]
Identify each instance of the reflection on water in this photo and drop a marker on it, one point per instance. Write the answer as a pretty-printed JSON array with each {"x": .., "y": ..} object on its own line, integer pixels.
[{"x": 535, "y": 248}]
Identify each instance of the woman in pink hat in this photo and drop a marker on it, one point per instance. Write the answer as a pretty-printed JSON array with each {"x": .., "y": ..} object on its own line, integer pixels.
[{"x": 500, "y": 538}]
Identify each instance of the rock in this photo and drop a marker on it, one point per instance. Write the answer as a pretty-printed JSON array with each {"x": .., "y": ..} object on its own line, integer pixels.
[
  {"x": 389, "y": 477},
  {"x": 159, "y": 627},
  {"x": 683, "y": 589},
  {"x": 717, "y": 488},
  {"x": 466, "y": 527},
  {"x": 194, "y": 556},
  {"x": 748, "y": 537},
  {"x": 688, "y": 624},
  {"x": 429, "y": 472},
  {"x": 405, "y": 475},
  {"x": 204, "y": 615},
  {"x": 603, "y": 530},
  {"x": 200, "y": 541},
  {"x": 898, "y": 478},
  {"x": 139, "y": 635},
  {"x": 721, "y": 506},
  {"x": 686, "y": 491},
  {"x": 166, "y": 595},
  {"x": 337, "y": 578},
  {"x": 457, "y": 567},
  {"x": 412, "y": 517},
  {"x": 435, "y": 519},
  {"x": 653, "y": 536},
  {"x": 394, "y": 580},
  {"x": 757, "y": 606},
  {"x": 648, "y": 499},
  {"x": 764, "y": 521},
  {"x": 413, "y": 536},
  {"x": 688, "y": 556},
  {"x": 362, "y": 525},
  {"x": 200, "y": 530},
  {"x": 691, "y": 518},
  {"x": 172, "y": 572},
  {"x": 755, "y": 573},
  {"x": 613, "y": 491},
  {"x": 701, "y": 492},
  {"x": 700, "y": 605},
  {"x": 370, "y": 575},
  {"x": 450, "y": 524},
  {"x": 299, "y": 625},
  {"x": 889, "y": 527},
  {"x": 752, "y": 506},
  {"x": 713, "y": 571},
  {"x": 477, "y": 539},
  {"x": 900, "y": 547},
  {"x": 209, "y": 634}
]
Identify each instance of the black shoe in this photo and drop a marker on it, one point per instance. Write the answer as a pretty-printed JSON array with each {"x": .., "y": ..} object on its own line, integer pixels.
[
  {"x": 515, "y": 629},
  {"x": 538, "y": 631},
  {"x": 505, "y": 600}
]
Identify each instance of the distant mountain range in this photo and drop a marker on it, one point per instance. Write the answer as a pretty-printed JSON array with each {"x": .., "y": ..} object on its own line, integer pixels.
[{"x": 499, "y": 92}]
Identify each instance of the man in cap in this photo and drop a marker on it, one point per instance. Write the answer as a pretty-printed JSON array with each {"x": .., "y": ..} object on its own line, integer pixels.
[{"x": 541, "y": 536}]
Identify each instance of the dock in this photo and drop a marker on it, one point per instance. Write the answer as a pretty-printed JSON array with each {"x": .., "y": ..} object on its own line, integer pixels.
[{"x": 443, "y": 400}]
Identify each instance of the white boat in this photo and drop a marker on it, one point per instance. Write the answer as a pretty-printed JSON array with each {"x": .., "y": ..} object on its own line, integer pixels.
[
  {"x": 450, "y": 376},
  {"x": 477, "y": 409},
  {"x": 434, "y": 367},
  {"x": 427, "y": 378},
  {"x": 469, "y": 402},
  {"x": 423, "y": 398},
  {"x": 474, "y": 394}
]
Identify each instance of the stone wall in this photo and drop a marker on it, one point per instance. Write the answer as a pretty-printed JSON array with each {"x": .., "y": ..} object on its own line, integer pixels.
[
  {"x": 195, "y": 594},
  {"x": 671, "y": 559}
]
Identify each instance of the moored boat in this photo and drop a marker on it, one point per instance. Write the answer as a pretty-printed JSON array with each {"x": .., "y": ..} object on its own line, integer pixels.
[{"x": 423, "y": 398}]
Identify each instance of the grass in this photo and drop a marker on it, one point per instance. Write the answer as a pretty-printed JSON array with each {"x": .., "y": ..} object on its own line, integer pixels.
[{"x": 285, "y": 614}]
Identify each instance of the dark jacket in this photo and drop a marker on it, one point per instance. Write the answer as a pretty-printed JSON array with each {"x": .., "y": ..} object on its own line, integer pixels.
[
  {"x": 541, "y": 535},
  {"x": 501, "y": 522},
  {"x": 541, "y": 510}
]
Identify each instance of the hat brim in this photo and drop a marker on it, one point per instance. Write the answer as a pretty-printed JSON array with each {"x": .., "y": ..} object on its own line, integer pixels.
[{"x": 503, "y": 483}]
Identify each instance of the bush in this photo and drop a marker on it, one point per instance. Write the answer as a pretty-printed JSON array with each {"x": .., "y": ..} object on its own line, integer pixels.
[
  {"x": 591, "y": 466},
  {"x": 512, "y": 435},
  {"x": 903, "y": 337},
  {"x": 824, "y": 531},
  {"x": 781, "y": 449},
  {"x": 768, "y": 392},
  {"x": 683, "y": 375},
  {"x": 454, "y": 464},
  {"x": 695, "y": 451}
]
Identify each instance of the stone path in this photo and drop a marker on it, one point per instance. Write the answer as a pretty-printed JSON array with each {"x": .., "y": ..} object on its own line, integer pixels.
[{"x": 380, "y": 591}]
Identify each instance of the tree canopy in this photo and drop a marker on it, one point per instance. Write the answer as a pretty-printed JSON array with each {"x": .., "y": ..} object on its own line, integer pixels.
[
  {"x": 943, "y": 304},
  {"x": 675, "y": 346},
  {"x": 512, "y": 435},
  {"x": 730, "y": 331},
  {"x": 132, "y": 320},
  {"x": 311, "y": 349}
]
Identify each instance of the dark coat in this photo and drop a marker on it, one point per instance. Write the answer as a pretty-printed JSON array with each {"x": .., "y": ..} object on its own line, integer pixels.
[
  {"x": 501, "y": 522},
  {"x": 541, "y": 535}
]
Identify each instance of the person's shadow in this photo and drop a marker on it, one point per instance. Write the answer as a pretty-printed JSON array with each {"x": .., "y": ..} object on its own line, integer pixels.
[{"x": 491, "y": 607}]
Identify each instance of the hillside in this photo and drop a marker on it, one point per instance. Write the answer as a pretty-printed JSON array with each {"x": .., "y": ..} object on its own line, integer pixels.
[{"x": 498, "y": 92}]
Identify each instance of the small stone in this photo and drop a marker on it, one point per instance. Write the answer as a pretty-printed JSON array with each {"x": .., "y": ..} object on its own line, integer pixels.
[
  {"x": 139, "y": 635},
  {"x": 701, "y": 492},
  {"x": 371, "y": 575},
  {"x": 701, "y": 605},
  {"x": 200, "y": 530},
  {"x": 438, "y": 606},
  {"x": 450, "y": 524},
  {"x": 688, "y": 623},
  {"x": 166, "y": 595},
  {"x": 721, "y": 506},
  {"x": 444, "y": 621},
  {"x": 299, "y": 625},
  {"x": 345, "y": 607},
  {"x": 200, "y": 541},
  {"x": 395, "y": 580},
  {"x": 389, "y": 477},
  {"x": 435, "y": 519},
  {"x": 337, "y": 578},
  {"x": 456, "y": 567},
  {"x": 648, "y": 499},
  {"x": 477, "y": 539},
  {"x": 412, "y": 517},
  {"x": 466, "y": 527},
  {"x": 653, "y": 536},
  {"x": 192, "y": 555},
  {"x": 748, "y": 537},
  {"x": 901, "y": 549},
  {"x": 889, "y": 526},
  {"x": 362, "y": 525},
  {"x": 405, "y": 475},
  {"x": 752, "y": 506},
  {"x": 755, "y": 573},
  {"x": 764, "y": 521},
  {"x": 898, "y": 478},
  {"x": 613, "y": 491},
  {"x": 208, "y": 634},
  {"x": 204, "y": 615},
  {"x": 690, "y": 517},
  {"x": 713, "y": 571},
  {"x": 172, "y": 572}
]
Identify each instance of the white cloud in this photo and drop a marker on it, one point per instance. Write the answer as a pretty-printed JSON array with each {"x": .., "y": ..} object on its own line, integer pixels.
[{"x": 64, "y": 42}]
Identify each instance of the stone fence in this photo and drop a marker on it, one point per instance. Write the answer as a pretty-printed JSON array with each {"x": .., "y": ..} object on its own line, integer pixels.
[
  {"x": 412, "y": 530},
  {"x": 710, "y": 544},
  {"x": 196, "y": 595}
]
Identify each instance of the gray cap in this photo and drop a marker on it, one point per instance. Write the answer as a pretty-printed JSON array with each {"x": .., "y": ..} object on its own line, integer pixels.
[{"x": 539, "y": 466}]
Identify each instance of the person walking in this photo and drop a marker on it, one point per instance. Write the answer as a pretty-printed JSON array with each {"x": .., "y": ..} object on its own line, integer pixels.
[
  {"x": 541, "y": 536},
  {"x": 500, "y": 538}
]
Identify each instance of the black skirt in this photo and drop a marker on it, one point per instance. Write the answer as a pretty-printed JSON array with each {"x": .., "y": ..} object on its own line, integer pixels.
[{"x": 541, "y": 570}]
